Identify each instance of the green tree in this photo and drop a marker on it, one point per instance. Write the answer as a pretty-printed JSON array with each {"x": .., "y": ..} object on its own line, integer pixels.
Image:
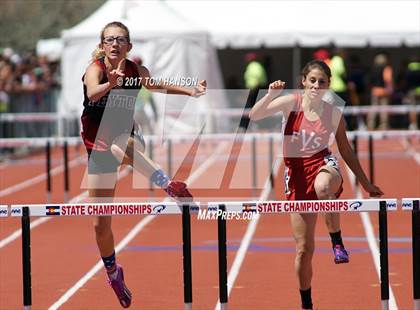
[{"x": 24, "y": 22}]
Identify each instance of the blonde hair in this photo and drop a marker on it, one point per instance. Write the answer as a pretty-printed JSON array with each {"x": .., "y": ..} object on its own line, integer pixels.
[{"x": 99, "y": 52}]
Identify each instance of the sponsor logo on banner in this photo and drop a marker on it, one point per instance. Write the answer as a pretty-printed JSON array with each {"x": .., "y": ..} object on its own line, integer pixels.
[
  {"x": 407, "y": 205},
  {"x": 212, "y": 208},
  {"x": 356, "y": 205},
  {"x": 249, "y": 207},
  {"x": 194, "y": 208},
  {"x": 52, "y": 210},
  {"x": 391, "y": 205},
  {"x": 3, "y": 212},
  {"x": 16, "y": 211},
  {"x": 159, "y": 208}
]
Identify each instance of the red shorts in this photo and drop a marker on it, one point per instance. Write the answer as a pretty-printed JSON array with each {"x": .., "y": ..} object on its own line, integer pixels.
[{"x": 300, "y": 178}]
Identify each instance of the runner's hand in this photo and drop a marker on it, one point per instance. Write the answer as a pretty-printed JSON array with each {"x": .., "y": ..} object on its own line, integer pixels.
[
  {"x": 276, "y": 88},
  {"x": 199, "y": 90},
  {"x": 114, "y": 75}
]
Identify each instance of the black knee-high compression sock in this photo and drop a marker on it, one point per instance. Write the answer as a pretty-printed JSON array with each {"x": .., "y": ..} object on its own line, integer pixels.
[
  {"x": 336, "y": 239},
  {"x": 306, "y": 298}
]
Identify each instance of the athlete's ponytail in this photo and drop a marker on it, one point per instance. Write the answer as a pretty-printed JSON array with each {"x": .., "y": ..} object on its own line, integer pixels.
[{"x": 97, "y": 54}]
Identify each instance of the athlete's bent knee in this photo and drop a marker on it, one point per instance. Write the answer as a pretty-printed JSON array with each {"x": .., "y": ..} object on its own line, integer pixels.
[
  {"x": 305, "y": 250},
  {"x": 322, "y": 190}
]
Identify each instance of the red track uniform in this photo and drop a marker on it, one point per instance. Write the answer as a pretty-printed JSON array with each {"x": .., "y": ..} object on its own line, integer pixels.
[
  {"x": 305, "y": 150},
  {"x": 119, "y": 103},
  {"x": 109, "y": 117}
]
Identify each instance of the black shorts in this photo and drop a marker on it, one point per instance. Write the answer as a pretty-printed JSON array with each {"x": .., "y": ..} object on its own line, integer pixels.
[
  {"x": 102, "y": 162},
  {"x": 105, "y": 161}
]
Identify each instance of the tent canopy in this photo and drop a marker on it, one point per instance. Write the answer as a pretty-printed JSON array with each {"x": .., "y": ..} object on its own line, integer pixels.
[
  {"x": 305, "y": 23},
  {"x": 145, "y": 19},
  {"x": 169, "y": 45},
  {"x": 177, "y": 38}
]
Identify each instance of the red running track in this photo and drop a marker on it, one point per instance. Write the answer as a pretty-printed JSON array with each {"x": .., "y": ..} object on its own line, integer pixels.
[{"x": 64, "y": 250}]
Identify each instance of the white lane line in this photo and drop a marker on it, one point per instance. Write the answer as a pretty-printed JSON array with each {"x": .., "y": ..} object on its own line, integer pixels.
[
  {"x": 131, "y": 235},
  {"x": 411, "y": 151},
  {"x": 246, "y": 240},
  {"x": 41, "y": 177},
  {"x": 99, "y": 265},
  {"x": 16, "y": 234},
  {"x": 370, "y": 235}
]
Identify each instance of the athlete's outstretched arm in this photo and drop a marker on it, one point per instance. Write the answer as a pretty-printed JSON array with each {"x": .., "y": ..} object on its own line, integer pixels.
[
  {"x": 92, "y": 79},
  {"x": 195, "y": 91},
  {"x": 269, "y": 104},
  {"x": 351, "y": 160}
]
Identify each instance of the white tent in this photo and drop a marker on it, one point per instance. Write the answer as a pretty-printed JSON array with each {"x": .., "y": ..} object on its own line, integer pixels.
[
  {"x": 177, "y": 37},
  {"x": 169, "y": 45},
  {"x": 50, "y": 48},
  {"x": 307, "y": 23}
]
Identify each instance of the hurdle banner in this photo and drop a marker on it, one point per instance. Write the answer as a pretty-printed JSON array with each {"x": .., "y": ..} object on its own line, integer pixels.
[
  {"x": 306, "y": 206},
  {"x": 4, "y": 212},
  {"x": 412, "y": 204},
  {"x": 407, "y": 204},
  {"x": 103, "y": 209},
  {"x": 156, "y": 208},
  {"x": 311, "y": 206}
]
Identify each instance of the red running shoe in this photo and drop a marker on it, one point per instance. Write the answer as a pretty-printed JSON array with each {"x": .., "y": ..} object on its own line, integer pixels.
[{"x": 179, "y": 191}]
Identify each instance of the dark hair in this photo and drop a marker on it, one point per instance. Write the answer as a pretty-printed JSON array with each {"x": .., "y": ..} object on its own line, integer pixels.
[
  {"x": 316, "y": 64},
  {"x": 99, "y": 52}
]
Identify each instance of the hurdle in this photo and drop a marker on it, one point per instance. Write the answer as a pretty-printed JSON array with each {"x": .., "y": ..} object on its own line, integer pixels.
[
  {"x": 104, "y": 209},
  {"x": 310, "y": 206},
  {"x": 4, "y": 211},
  {"x": 48, "y": 144},
  {"x": 412, "y": 204}
]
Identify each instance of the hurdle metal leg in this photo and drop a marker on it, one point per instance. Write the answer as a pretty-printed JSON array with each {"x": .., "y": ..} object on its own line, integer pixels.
[
  {"x": 254, "y": 166},
  {"x": 66, "y": 171},
  {"x": 416, "y": 254},
  {"x": 223, "y": 288},
  {"x": 26, "y": 259},
  {"x": 48, "y": 168},
  {"x": 383, "y": 251},
  {"x": 186, "y": 249}
]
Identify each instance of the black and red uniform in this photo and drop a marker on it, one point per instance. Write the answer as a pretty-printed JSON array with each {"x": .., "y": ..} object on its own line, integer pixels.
[
  {"x": 110, "y": 116},
  {"x": 305, "y": 150}
]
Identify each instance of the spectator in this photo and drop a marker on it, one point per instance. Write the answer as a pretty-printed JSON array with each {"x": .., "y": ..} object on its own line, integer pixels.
[
  {"x": 6, "y": 84},
  {"x": 26, "y": 84},
  {"x": 356, "y": 87},
  {"x": 324, "y": 55},
  {"x": 338, "y": 82},
  {"x": 381, "y": 91},
  {"x": 339, "y": 75},
  {"x": 413, "y": 89},
  {"x": 255, "y": 78}
]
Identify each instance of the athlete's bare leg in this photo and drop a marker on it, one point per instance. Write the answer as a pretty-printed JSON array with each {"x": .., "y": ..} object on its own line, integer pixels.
[
  {"x": 303, "y": 226},
  {"x": 327, "y": 183},
  {"x": 131, "y": 152},
  {"x": 102, "y": 224}
]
